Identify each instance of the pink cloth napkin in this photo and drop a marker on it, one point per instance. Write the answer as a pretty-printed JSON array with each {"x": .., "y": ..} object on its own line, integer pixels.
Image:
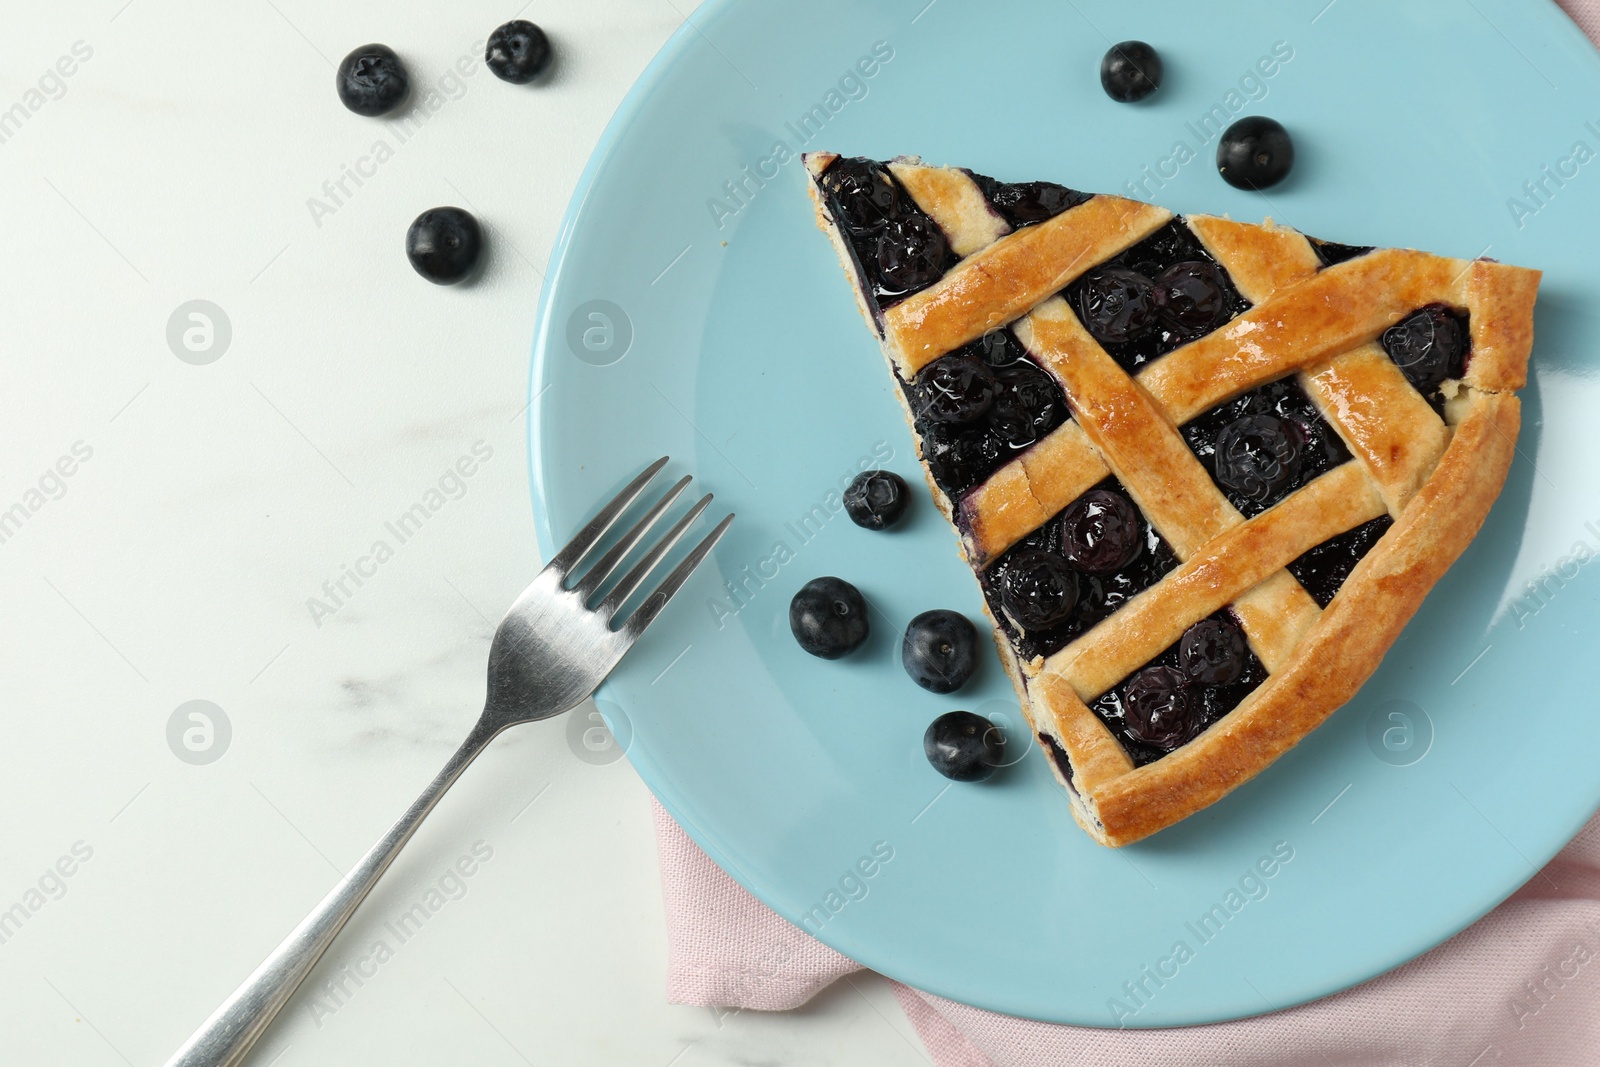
[{"x": 1521, "y": 986}]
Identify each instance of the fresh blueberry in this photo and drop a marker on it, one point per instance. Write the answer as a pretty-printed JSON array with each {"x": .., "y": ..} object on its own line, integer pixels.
[
  {"x": 1023, "y": 203},
  {"x": 1038, "y": 590},
  {"x": 875, "y": 500},
  {"x": 1255, "y": 153},
  {"x": 1159, "y": 707},
  {"x": 1258, "y": 455},
  {"x": 372, "y": 80},
  {"x": 517, "y": 52},
  {"x": 964, "y": 747},
  {"x": 1212, "y": 652},
  {"x": 940, "y": 650},
  {"x": 828, "y": 617},
  {"x": 954, "y": 388},
  {"x": 1428, "y": 347},
  {"x": 1130, "y": 71},
  {"x": 960, "y": 458},
  {"x": 1103, "y": 531},
  {"x": 1190, "y": 295},
  {"x": 1117, "y": 305},
  {"x": 911, "y": 254},
  {"x": 863, "y": 195},
  {"x": 1027, "y": 406},
  {"x": 443, "y": 244}
]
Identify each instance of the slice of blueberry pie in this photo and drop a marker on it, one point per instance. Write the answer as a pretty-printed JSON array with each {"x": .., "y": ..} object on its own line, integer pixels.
[{"x": 1205, "y": 471}]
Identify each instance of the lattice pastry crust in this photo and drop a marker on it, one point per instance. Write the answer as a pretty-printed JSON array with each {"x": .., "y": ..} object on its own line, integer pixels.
[{"x": 1434, "y": 469}]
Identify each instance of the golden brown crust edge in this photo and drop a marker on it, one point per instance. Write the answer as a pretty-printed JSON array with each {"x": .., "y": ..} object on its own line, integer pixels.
[{"x": 1355, "y": 632}]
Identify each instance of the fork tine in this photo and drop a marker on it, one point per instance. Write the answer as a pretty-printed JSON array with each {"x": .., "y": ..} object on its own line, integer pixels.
[
  {"x": 657, "y": 600},
  {"x": 641, "y": 570},
  {"x": 609, "y": 562},
  {"x": 572, "y": 554}
]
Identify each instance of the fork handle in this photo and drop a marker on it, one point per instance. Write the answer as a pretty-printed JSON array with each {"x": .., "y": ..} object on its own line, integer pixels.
[{"x": 234, "y": 1027}]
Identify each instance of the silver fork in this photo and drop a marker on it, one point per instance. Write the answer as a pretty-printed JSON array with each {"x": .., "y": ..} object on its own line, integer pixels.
[{"x": 549, "y": 655}]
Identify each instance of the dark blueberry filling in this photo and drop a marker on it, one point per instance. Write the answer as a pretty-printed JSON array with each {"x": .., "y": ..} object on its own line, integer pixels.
[
  {"x": 1161, "y": 294},
  {"x": 898, "y": 248},
  {"x": 979, "y": 406},
  {"x": 1173, "y": 699},
  {"x": 1323, "y": 569},
  {"x": 1262, "y": 446},
  {"x": 1025, "y": 203},
  {"x": 1058, "y": 756},
  {"x": 1043, "y": 600},
  {"x": 1429, "y": 346},
  {"x": 1332, "y": 253}
]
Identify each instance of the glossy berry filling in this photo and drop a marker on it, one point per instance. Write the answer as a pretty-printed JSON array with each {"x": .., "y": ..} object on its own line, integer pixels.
[
  {"x": 1173, "y": 699},
  {"x": 1331, "y": 253},
  {"x": 1025, "y": 203},
  {"x": 1429, "y": 346},
  {"x": 898, "y": 249},
  {"x": 1043, "y": 600},
  {"x": 979, "y": 407},
  {"x": 1161, "y": 294},
  {"x": 1323, "y": 569},
  {"x": 1262, "y": 446}
]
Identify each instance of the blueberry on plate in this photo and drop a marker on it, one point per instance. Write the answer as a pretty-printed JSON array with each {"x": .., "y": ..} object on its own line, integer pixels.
[
  {"x": 443, "y": 244},
  {"x": 964, "y": 747},
  {"x": 1255, "y": 153},
  {"x": 1428, "y": 347},
  {"x": 1117, "y": 304},
  {"x": 372, "y": 80},
  {"x": 1211, "y": 652},
  {"x": 875, "y": 500},
  {"x": 517, "y": 52},
  {"x": 828, "y": 617},
  {"x": 1130, "y": 71},
  {"x": 940, "y": 650},
  {"x": 1159, "y": 708}
]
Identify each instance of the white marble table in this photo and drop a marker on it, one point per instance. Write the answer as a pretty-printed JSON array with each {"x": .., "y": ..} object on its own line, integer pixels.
[{"x": 165, "y": 524}]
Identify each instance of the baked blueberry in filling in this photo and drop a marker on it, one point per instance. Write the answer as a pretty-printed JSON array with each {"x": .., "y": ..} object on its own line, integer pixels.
[
  {"x": 1323, "y": 569},
  {"x": 897, "y": 247},
  {"x": 1172, "y": 699},
  {"x": 1262, "y": 446},
  {"x": 1075, "y": 570},
  {"x": 1332, "y": 253},
  {"x": 1058, "y": 756},
  {"x": 979, "y": 406},
  {"x": 1025, "y": 203},
  {"x": 1429, "y": 346},
  {"x": 1161, "y": 294}
]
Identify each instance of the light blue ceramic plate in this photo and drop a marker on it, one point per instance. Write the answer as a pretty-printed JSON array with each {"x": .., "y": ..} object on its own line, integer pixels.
[{"x": 692, "y": 308}]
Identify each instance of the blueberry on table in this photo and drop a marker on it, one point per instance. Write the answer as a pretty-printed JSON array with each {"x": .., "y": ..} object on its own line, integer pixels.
[
  {"x": 1255, "y": 153},
  {"x": 517, "y": 52},
  {"x": 372, "y": 80},
  {"x": 443, "y": 244},
  {"x": 1130, "y": 71},
  {"x": 875, "y": 500},
  {"x": 828, "y": 617},
  {"x": 940, "y": 650},
  {"x": 964, "y": 747}
]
